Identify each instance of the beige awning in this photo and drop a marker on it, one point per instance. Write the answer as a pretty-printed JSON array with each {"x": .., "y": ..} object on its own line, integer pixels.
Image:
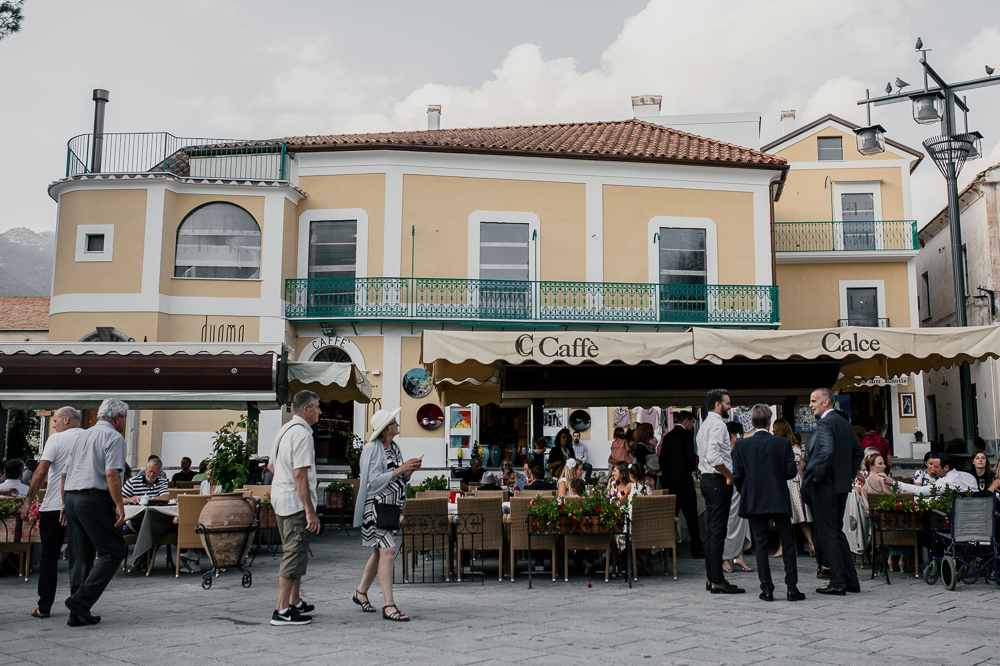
[
  {"x": 342, "y": 382},
  {"x": 864, "y": 353},
  {"x": 466, "y": 365}
]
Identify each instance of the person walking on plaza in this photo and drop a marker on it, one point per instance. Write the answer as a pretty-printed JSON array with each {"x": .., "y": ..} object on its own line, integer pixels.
[
  {"x": 51, "y": 524},
  {"x": 716, "y": 466},
  {"x": 293, "y": 497},
  {"x": 762, "y": 466},
  {"x": 94, "y": 511},
  {"x": 677, "y": 462},
  {"x": 381, "y": 498},
  {"x": 829, "y": 477}
]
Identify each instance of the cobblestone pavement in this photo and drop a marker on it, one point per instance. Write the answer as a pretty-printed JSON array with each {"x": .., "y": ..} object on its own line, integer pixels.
[{"x": 162, "y": 620}]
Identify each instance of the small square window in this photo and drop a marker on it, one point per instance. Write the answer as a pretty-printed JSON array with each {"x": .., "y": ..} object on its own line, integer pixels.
[
  {"x": 95, "y": 242},
  {"x": 830, "y": 148}
]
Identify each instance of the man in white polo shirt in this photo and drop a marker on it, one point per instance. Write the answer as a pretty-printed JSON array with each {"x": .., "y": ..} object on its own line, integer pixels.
[
  {"x": 66, "y": 423},
  {"x": 293, "y": 496}
]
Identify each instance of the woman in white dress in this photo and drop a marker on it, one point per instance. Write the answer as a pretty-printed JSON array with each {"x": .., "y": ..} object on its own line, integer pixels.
[{"x": 738, "y": 532}]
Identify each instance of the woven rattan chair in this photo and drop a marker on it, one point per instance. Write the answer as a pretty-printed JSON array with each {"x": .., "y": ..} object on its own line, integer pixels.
[
  {"x": 898, "y": 539},
  {"x": 504, "y": 495},
  {"x": 659, "y": 492},
  {"x": 519, "y": 534},
  {"x": 491, "y": 509},
  {"x": 174, "y": 492},
  {"x": 426, "y": 512},
  {"x": 186, "y": 484},
  {"x": 654, "y": 526},
  {"x": 188, "y": 510},
  {"x": 434, "y": 494}
]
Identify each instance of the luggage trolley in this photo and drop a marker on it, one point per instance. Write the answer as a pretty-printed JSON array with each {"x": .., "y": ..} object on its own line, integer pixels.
[{"x": 964, "y": 544}]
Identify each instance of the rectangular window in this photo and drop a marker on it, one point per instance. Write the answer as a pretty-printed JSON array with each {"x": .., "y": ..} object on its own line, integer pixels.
[
  {"x": 858, "y": 215},
  {"x": 333, "y": 249},
  {"x": 95, "y": 242},
  {"x": 862, "y": 306},
  {"x": 504, "y": 251},
  {"x": 683, "y": 257},
  {"x": 830, "y": 148},
  {"x": 925, "y": 296}
]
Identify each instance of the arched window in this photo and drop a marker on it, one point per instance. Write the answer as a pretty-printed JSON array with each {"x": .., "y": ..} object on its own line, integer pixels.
[
  {"x": 218, "y": 240},
  {"x": 333, "y": 355}
]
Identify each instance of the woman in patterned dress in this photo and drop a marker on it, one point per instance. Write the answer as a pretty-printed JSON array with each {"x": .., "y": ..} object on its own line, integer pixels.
[{"x": 383, "y": 480}]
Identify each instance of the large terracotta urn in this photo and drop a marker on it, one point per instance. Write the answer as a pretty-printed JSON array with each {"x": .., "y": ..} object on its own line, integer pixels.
[{"x": 226, "y": 511}]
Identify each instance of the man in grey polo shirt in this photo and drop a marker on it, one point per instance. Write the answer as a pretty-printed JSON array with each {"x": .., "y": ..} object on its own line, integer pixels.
[{"x": 92, "y": 502}]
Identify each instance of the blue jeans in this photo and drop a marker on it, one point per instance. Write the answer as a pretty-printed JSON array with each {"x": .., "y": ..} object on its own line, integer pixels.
[{"x": 718, "y": 496}]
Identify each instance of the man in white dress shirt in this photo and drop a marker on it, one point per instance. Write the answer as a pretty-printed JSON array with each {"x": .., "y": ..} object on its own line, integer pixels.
[
  {"x": 715, "y": 463},
  {"x": 946, "y": 477}
]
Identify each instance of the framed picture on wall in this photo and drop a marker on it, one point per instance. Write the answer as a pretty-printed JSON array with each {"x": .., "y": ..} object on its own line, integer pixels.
[{"x": 907, "y": 407}]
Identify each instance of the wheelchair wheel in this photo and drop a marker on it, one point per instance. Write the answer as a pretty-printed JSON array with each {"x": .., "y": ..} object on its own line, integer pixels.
[
  {"x": 931, "y": 572},
  {"x": 949, "y": 572},
  {"x": 965, "y": 576}
]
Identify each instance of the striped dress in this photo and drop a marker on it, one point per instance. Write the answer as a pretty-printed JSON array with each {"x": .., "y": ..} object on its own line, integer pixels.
[{"x": 394, "y": 493}]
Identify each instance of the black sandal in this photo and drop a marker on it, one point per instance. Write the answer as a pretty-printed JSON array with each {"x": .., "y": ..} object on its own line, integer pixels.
[
  {"x": 365, "y": 606},
  {"x": 395, "y": 616}
]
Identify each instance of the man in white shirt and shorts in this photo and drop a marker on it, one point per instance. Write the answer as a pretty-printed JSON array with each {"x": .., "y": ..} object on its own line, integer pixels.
[{"x": 293, "y": 496}]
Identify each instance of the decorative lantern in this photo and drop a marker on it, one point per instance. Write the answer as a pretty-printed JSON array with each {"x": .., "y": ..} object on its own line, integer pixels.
[
  {"x": 928, "y": 108},
  {"x": 871, "y": 140},
  {"x": 977, "y": 146}
]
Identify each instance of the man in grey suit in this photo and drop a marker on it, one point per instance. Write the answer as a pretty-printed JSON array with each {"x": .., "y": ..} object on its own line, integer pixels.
[
  {"x": 762, "y": 466},
  {"x": 829, "y": 477}
]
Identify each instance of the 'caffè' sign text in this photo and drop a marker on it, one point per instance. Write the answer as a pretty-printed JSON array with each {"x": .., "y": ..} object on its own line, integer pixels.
[
  {"x": 555, "y": 346},
  {"x": 832, "y": 342}
]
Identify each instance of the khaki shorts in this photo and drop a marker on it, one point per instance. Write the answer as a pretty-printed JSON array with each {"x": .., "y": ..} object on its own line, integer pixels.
[{"x": 294, "y": 544}]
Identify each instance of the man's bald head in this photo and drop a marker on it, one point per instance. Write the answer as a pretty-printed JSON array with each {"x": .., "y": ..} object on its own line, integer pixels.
[{"x": 66, "y": 418}]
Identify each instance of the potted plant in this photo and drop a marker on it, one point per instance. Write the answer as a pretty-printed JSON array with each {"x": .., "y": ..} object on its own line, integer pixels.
[
  {"x": 231, "y": 455},
  {"x": 917, "y": 435},
  {"x": 912, "y": 512},
  {"x": 439, "y": 482},
  {"x": 337, "y": 493},
  {"x": 10, "y": 520}
]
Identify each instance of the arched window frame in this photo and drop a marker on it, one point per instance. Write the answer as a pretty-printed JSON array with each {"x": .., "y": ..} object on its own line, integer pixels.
[{"x": 187, "y": 217}]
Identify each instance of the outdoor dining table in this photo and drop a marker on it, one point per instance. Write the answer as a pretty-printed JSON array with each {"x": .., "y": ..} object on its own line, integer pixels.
[{"x": 157, "y": 521}]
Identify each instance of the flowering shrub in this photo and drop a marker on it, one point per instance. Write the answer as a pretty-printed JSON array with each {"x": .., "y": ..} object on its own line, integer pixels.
[
  {"x": 918, "y": 503},
  {"x": 439, "y": 482},
  {"x": 548, "y": 510},
  {"x": 10, "y": 507}
]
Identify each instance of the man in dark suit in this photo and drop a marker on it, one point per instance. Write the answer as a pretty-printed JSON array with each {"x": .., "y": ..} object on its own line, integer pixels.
[
  {"x": 677, "y": 462},
  {"x": 762, "y": 466},
  {"x": 835, "y": 459}
]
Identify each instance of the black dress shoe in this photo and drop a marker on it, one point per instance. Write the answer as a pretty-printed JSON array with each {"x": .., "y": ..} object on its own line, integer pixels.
[
  {"x": 795, "y": 595},
  {"x": 854, "y": 590},
  {"x": 75, "y": 621},
  {"x": 764, "y": 596},
  {"x": 725, "y": 589},
  {"x": 82, "y": 611},
  {"x": 831, "y": 590}
]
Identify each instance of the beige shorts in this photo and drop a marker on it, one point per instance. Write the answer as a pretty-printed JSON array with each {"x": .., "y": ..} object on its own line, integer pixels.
[{"x": 294, "y": 545}]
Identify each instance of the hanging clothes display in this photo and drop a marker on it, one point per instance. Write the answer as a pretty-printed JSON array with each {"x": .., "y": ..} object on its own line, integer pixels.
[{"x": 621, "y": 418}]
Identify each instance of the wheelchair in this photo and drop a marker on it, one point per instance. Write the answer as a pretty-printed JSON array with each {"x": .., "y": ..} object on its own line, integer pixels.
[{"x": 964, "y": 544}]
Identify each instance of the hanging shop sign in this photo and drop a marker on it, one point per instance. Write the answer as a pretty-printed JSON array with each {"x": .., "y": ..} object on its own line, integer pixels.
[{"x": 881, "y": 381}]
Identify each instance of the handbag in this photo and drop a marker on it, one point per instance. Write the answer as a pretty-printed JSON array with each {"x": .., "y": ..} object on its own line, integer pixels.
[{"x": 387, "y": 516}]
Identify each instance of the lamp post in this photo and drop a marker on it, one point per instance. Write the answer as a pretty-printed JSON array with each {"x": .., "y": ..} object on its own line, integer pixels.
[{"x": 949, "y": 151}]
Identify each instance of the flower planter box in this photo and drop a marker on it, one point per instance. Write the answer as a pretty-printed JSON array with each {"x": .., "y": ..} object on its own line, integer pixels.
[
  {"x": 30, "y": 532},
  {"x": 538, "y": 526},
  {"x": 335, "y": 500},
  {"x": 904, "y": 520},
  {"x": 568, "y": 525},
  {"x": 268, "y": 519},
  {"x": 10, "y": 529}
]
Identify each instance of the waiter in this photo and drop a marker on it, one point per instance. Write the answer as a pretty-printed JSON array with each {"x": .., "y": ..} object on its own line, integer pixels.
[{"x": 94, "y": 511}]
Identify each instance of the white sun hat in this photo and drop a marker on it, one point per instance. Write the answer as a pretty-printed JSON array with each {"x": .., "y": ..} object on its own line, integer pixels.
[{"x": 381, "y": 420}]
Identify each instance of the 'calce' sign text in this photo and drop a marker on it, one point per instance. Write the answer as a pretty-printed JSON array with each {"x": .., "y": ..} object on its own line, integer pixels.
[
  {"x": 551, "y": 347},
  {"x": 832, "y": 342}
]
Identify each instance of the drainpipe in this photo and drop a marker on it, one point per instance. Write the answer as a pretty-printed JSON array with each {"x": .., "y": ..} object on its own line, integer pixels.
[
  {"x": 774, "y": 230},
  {"x": 101, "y": 98}
]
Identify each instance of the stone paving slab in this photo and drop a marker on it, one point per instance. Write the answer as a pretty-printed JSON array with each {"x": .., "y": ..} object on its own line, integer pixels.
[{"x": 159, "y": 620}]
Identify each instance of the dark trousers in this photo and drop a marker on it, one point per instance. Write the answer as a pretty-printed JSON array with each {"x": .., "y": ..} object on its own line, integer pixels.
[
  {"x": 52, "y": 535},
  {"x": 758, "y": 524},
  {"x": 687, "y": 501},
  {"x": 90, "y": 516},
  {"x": 718, "y": 496},
  {"x": 828, "y": 510}
]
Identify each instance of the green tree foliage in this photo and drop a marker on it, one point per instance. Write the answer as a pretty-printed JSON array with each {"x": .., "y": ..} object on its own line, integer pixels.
[
  {"x": 11, "y": 17},
  {"x": 22, "y": 434}
]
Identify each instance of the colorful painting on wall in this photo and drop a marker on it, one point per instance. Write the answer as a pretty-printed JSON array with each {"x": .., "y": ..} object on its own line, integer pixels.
[{"x": 461, "y": 419}]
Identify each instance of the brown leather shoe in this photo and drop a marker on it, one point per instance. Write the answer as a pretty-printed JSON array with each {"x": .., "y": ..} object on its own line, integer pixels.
[
  {"x": 38, "y": 613},
  {"x": 820, "y": 573}
]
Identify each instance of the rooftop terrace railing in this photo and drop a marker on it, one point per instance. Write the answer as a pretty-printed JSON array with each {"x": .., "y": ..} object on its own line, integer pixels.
[
  {"x": 530, "y": 302},
  {"x": 159, "y": 152},
  {"x": 846, "y": 236}
]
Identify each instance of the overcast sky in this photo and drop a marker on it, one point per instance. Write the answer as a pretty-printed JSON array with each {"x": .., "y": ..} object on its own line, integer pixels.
[{"x": 243, "y": 69}]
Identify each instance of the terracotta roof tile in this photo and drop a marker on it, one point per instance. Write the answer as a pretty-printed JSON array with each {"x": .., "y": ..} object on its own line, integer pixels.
[
  {"x": 24, "y": 313},
  {"x": 633, "y": 139}
]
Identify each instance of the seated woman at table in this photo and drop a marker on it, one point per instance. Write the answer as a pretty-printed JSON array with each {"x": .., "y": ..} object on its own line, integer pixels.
[
  {"x": 571, "y": 470},
  {"x": 618, "y": 481},
  {"x": 208, "y": 486},
  {"x": 522, "y": 479},
  {"x": 924, "y": 477},
  {"x": 981, "y": 470},
  {"x": 561, "y": 451}
]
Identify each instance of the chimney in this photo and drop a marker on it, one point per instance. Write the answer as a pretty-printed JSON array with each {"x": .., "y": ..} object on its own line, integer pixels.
[
  {"x": 788, "y": 121},
  {"x": 101, "y": 98},
  {"x": 646, "y": 105},
  {"x": 434, "y": 117}
]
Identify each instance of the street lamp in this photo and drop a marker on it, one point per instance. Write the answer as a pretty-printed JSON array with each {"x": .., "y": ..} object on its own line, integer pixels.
[
  {"x": 949, "y": 151},
  {"x": 871, "y": 139}
]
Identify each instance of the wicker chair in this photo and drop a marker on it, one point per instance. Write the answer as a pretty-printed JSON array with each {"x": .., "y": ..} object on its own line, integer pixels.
[
  {"x": 434, "y": 494},
  {"x": 437, "y": 510},
  {"x": 519, "y": 534},
  {"x": 654, "y": 525},
  {"x": 186, "y": 484},
  {"x": 503, "y": 494},
  {"x": 188, "y": 510},
  {"x": 491, "y": 538},
  {"x": 174, "y": 492},
  {"x": 659, "y": 492},
  {"x": 898, "y": 539}
]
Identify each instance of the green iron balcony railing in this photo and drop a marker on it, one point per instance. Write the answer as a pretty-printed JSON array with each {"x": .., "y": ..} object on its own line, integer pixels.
[
  {"x": 845, "y": 236},
  {"x": 159, "y": 152},
  {"x": 438, "y": 299}
]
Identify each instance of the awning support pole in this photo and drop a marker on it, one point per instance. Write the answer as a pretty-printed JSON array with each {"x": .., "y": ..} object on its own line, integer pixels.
[{"x": 536, "y": 419}]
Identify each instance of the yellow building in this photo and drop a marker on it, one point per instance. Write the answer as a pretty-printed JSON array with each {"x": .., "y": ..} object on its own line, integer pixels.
[{"x": 846, "y": 246}]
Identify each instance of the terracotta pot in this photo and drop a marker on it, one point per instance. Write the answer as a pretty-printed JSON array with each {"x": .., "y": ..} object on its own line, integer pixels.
[
  {"x": 226, "y": 511},
  {"x": 10, "y": 529}
]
